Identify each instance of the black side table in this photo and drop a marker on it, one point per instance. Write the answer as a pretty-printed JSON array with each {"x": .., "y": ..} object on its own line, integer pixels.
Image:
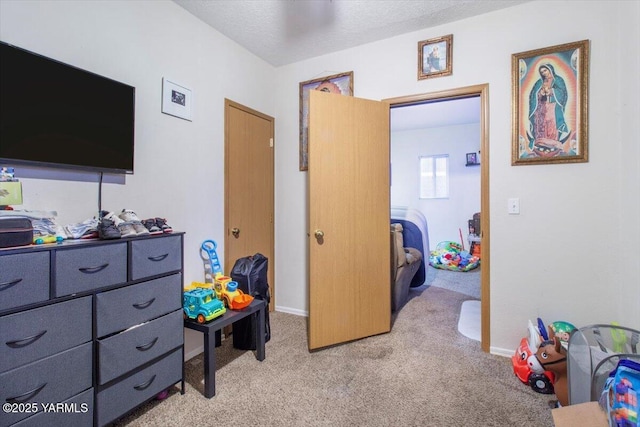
[{"x": 257, "y": 309}]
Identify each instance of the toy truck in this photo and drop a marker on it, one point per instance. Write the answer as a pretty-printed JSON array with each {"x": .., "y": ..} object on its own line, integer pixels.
[
  {"x": 202, "y": 305},
  {"x": 227, "y": 291}
]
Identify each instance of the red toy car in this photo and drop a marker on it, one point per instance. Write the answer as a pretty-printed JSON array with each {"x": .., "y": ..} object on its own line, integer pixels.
[{"x": 541, "y": 383}]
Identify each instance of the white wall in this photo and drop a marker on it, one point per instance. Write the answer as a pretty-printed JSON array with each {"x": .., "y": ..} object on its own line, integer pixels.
[
  {"x": 445, "y": 217},
  {"x": 572, "y": 252},
  {"x": 178, "y": 164}
]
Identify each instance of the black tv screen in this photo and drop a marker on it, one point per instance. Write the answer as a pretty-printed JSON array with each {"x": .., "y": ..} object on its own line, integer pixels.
[{"x": 56, "y": 115}]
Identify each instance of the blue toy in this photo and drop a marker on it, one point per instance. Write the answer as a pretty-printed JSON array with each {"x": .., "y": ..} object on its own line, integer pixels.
[{"x": 209, "y": 247}]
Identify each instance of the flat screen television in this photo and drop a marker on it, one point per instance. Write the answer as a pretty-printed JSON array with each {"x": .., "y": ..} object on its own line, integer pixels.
[{"x": 56, "y": 115}]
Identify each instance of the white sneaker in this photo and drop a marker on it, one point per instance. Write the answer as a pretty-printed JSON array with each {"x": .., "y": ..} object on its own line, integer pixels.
[{"x": 130, "y": 217}]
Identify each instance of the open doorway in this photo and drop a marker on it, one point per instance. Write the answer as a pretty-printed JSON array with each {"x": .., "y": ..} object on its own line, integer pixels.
[{"x": 473, "y": 101}]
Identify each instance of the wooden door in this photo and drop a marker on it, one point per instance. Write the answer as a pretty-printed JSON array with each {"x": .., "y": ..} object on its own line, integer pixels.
[
  {"x": 349, "y": 250},
  {"x": 249, "y": 205}
]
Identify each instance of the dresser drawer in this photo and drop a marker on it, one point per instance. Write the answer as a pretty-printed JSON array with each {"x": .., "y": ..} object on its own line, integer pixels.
[
  {"x": 150, "y": 257},
  {"x": 127, "y": 350},
  {"x": 119, "y": 398},
  {"x": 125, "y": 307},
  {"x": 33, "y": 334},
  {"x": 24, "y": 279},
  {"x": 50, "y": 380},
  {"x": 85, "y": 269},
  {"x": 78, "y": 413}
]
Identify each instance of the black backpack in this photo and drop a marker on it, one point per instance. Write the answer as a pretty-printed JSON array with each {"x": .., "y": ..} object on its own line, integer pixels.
[{"x": 251, "y": 274}]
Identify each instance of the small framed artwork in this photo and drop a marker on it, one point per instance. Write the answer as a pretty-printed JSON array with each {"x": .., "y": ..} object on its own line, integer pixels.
[
  {"x": 338, "y": 83},
  {"x": 435, "y": 57},
  {"x": 176, "y": 99},
  {"x": 472, "y": 159},
  {"x": 550, "y": 105}
]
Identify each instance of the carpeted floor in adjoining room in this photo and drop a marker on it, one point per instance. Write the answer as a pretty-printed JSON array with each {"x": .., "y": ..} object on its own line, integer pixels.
[
  {"x": 422, "y": 373},
  {"x": 465, "y": 282}
]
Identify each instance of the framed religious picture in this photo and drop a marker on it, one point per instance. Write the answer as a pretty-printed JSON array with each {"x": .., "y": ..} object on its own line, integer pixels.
[
  {"x": 550, "y": 105},
  {"x": 338, "y": 83},
  {"x": 435, "y": 57},
  {"x": 472, "y": 159}
]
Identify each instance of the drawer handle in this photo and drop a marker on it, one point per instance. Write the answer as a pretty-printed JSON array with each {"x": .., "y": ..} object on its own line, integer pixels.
[
  {"x": 142, "y": 386},
  {"x": 147, "y": 346},
  {"x": 6, "y": 285},
  {"x": 25, "y": 341},
  {"x": 143, "y": 305},
  {"x": 91, "y": 270},
  {"x": 158, "y": 258},
  {"x": 26, "y": 396}
]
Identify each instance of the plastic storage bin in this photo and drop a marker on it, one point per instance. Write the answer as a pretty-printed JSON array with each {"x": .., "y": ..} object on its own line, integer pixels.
[{"x": 593, "y": 352}]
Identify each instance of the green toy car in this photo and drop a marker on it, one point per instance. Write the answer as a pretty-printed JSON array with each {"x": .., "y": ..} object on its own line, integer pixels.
[{"x": 202, "y": 305}]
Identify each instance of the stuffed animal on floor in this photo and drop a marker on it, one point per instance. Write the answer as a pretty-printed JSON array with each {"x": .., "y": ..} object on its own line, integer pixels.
[{"x": 552, "y": 356}]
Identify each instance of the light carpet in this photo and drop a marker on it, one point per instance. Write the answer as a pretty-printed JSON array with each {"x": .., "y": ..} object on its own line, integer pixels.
[{"x": 422, "y": 373}]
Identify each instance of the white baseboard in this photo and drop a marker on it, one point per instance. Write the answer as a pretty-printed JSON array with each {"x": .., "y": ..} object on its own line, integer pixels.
[
  {"x": 295, "y": 311},
  {"x": 505, "y": 352}
]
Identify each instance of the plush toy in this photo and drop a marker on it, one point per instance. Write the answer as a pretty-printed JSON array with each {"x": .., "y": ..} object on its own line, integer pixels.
[{"x": 552, "y": 356}]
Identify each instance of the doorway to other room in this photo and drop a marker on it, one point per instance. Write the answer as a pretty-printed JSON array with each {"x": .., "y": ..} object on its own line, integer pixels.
[{"x": 439, "y": 170}]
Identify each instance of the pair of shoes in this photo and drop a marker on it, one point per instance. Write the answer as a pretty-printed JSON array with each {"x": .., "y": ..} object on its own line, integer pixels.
[
  {"x": 125, "y": 228},
  {"x": 162, "y": 223},
  {"x": 157, "y": 225},
  {"x": 152, "y": 226},
  {"x": 130, "y": 217}
]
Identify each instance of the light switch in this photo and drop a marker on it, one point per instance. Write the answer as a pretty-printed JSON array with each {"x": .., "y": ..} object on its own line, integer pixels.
[{"x": 514, "y": 206}]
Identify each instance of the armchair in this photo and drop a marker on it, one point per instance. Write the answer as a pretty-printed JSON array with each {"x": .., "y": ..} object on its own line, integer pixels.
[{"x": 404, "y": 265}]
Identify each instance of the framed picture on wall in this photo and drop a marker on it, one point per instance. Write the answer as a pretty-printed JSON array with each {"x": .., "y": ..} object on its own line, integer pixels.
[
  {"x": 550, "y": 105},
  {"x": 435, "y": 57},
  {"x": 338, "y": 83},
  {"x": 176, "y": 99},
  {"x": 472, "y": 159}
]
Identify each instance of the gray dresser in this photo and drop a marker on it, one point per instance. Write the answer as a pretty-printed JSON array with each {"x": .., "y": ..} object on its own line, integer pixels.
[{"x": 89, "y": 330}]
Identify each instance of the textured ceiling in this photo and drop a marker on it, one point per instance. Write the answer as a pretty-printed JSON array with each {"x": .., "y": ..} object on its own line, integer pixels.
[{"x": 286, "y": 31}]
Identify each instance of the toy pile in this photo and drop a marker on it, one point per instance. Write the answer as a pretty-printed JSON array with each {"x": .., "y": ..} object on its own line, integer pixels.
[
  {"x": 451, "y": 256},
  {"x": 541, "y": 359},
  {"x": 206, "y": 301}
]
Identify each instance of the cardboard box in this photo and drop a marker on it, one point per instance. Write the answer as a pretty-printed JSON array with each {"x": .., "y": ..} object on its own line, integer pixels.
[{"x": 588, "y": 414}]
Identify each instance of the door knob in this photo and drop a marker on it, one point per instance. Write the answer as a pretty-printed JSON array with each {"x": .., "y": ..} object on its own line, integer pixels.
[
  {"x": 235, "y": 232},
  {"x": 319, "y": 234}
]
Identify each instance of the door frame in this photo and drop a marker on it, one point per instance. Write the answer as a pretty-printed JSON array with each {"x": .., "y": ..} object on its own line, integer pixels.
[{"x": 481, "y": 90}]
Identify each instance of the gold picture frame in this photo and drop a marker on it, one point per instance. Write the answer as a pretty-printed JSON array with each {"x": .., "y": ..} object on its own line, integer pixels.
[
  {"x": 338, "y": 83},
  {"x": 435, "y": 57},
  {"x": 550, "y": 105}
]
